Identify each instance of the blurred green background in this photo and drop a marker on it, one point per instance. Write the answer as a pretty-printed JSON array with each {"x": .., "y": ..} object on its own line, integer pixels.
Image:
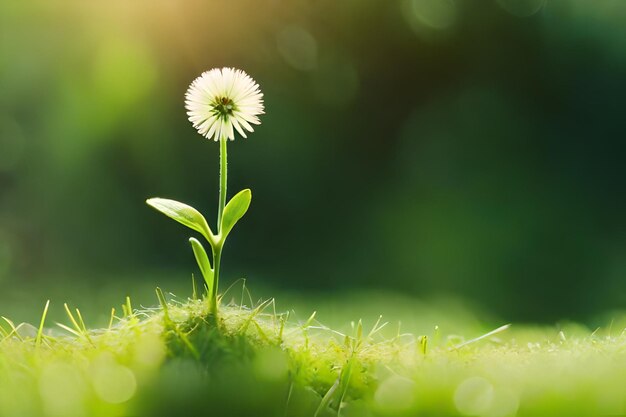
[{"x": 433, "y": 148}]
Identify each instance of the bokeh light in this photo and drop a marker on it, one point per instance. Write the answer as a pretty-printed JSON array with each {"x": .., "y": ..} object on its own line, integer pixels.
[{"x": 429, "y": 147}]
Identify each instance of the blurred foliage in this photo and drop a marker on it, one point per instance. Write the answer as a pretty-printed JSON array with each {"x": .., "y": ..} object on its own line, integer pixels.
[{"x": 424, "y": 146}]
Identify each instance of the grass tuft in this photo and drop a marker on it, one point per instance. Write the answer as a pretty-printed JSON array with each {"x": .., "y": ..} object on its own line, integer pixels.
[{"x": 254, "y": 360}]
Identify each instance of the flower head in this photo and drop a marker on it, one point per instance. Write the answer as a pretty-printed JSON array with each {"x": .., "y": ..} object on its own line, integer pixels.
[{"x": 222, "y": 99}]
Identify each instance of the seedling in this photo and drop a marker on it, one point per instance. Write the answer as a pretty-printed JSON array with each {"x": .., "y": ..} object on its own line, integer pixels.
[{"x": 219, "y": 102}]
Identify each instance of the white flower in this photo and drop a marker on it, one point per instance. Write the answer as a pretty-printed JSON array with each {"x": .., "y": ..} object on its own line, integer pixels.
[{"x": 221, "y": 99}]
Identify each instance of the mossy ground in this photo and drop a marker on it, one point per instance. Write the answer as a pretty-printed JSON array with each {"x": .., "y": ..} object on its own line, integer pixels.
[{"x": 257, "y": 362}]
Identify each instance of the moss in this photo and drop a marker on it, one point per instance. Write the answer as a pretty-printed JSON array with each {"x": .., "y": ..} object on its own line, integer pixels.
[{"x": 252, "y": 361}]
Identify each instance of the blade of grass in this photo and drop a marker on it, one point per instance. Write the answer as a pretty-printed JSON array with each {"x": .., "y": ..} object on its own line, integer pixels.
[
  {"x": 112, "y": 318},
  {"x": 13, "y": 329},
  {"x": 41, "y": 324},
  {"x": 486, "y": 335}
]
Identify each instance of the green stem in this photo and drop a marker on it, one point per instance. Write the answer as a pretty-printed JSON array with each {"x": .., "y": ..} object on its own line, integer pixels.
[
  {"x": 217, "y": 249},
  {"x": 217, "y": 256},
  {"x": 223, "y": 178}
]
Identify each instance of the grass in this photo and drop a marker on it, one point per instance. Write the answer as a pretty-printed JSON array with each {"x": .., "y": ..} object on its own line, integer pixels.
[{"x": 173, "y": 360}]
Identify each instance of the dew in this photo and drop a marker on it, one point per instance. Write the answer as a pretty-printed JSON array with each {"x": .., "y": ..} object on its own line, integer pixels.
[{"x": 26, "y": 331}]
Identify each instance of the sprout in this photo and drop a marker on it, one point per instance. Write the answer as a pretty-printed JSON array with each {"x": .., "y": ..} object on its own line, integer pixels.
[{"x": 218, "y": 101}]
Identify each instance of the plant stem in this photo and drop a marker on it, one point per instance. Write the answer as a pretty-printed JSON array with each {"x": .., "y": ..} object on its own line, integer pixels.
[
  {"x": 223, "y": 178},
  {"x": 217, "y": 256},
  {"x": 217, "y": 249}
]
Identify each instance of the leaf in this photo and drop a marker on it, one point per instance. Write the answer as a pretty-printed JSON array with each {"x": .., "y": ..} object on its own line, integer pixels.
[
  {"x": 203, "y": 262},
  {"x": 183, "y": 214},
  {"x": 234, "y": 210}
]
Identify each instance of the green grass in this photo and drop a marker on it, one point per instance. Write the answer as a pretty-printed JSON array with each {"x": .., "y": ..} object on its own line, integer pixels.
[{"x": 173, "y": 360}]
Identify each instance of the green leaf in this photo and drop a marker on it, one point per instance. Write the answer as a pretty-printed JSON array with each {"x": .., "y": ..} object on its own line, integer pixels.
[
  {"x": 234, "y": 210},
  {"x": 183, "y": 214},
  {"x": 203, "y": 262}
]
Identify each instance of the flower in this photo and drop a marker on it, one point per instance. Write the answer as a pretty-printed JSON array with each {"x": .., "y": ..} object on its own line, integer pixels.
[{"x": 221, "y": 99}]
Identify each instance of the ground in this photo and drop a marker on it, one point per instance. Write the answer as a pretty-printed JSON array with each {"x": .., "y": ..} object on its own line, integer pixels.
[{"x": 256, "y": 361}]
